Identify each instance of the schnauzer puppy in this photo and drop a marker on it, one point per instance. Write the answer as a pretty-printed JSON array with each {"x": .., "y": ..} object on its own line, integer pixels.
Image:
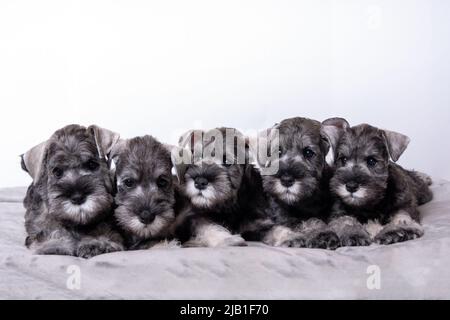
[
  {"x": 376, "y": 199},
  {"x": 221, "y": 187},
  {"x": 69, "y": 205},
  {"x": 146, "y": 193},
  {"x": 298, "y": 194}
]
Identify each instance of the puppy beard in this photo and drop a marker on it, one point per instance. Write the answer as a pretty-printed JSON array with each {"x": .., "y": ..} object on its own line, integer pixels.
[
  {"x": 289, "y": 195},
  {"x": 131, "y": 223},
  {"x": 92, "y": 209},
  {"x": 209, "y": 197},
  {"x": 356, "y": 199},
  {"x": 299, "y": 191}
]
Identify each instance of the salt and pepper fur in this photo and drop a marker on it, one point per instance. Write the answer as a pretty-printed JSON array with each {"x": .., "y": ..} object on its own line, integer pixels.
[
  {"x": 69, "y": 204},
  {"x": 77, "y": 206},
  {"x": 298, "y": 196},
  {"x": 376, "y": 200}
]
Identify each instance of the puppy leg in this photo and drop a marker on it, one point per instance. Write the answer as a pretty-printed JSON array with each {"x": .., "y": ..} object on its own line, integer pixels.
[
  {"x": 156, "y": 244},
  {"x": 90, "y": 247},
  {"x": 421, "y": 188},
  {"x": 61, "y": 247},
  {"x": 208, "y": 234},
  {"x": 282, "y": 236},
  {"x": 401, "y": 228},
  {"x": 255, "y": 230},
  {"x": 350, "y": 232},
  {"x": 58, "y": 242},
  {"x": 102, "y": 240},
  {"x": 319, "y": 235}
]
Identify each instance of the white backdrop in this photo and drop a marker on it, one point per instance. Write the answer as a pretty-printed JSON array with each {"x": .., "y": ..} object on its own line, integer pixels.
[{"x": 159, "y": 67}]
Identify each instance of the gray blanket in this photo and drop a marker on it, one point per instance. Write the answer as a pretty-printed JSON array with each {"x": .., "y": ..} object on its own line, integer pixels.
[{"x": 416, "y": 269}]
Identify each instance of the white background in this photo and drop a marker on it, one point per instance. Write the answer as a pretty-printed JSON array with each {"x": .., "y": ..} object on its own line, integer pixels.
[{"x": 160, "y": 67}]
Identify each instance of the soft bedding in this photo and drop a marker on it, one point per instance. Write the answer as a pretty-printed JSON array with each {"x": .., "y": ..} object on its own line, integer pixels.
[{"x": 416, "y": 269}]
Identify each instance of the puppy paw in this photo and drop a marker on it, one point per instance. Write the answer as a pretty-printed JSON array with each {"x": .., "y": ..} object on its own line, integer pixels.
[
  {"x": 233, "y": 241},
  {"x": 298, "y": 242},
  {"x": 398, "y": 234},
  {"x": 54, "y": 250},
  {"x": 324, "y": 240},
  {"x": 60, "y": 247},
  {"x": 96, "y": 247},
  {"x": 355, "y": 239}
]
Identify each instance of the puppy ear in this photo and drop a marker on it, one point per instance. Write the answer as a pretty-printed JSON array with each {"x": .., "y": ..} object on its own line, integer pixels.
[
  {"x": 180, "y": 158},
  {"x": 116, "y": 150},
  {"x": 396, "y": 143},
  {"x": 105, "y": 140},
  {"x": 332, "y": 131},
  {"x": 33, "y": 160}
]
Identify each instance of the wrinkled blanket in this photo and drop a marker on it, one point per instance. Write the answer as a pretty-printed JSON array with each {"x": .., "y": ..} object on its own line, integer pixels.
[{"x": 412, "y": 270}]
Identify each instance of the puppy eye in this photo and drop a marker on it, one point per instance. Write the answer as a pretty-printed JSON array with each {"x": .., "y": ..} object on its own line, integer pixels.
[
  {"x": 372, "y": 162},
  {"x": 129, "y": 183},
  {"x": 343, "y": 160},
  {"x": 92, "y": 165},
  {"x": 162, "y": 182},
  {"x": 308, "y": 153},
  {"x": 58, "y": 172}
]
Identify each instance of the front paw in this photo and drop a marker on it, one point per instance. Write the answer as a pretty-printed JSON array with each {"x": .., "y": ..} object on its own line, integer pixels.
[
  {"x": 60, "y": 247},
  {"x": 324, "y": 240},
  {"x": 234, "y": 241},
  {"x": 298, "y": 242},
  {"x": 390, "y": 235},
  {"x": 229, "y": 241},
  {"x": 96, "y": 247},
  {"x": 355, "y": 239},
  {"x": 54, "y": 249}
]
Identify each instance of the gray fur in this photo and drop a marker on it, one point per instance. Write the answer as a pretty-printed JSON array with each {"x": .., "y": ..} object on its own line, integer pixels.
[
  {"x": 369, "y": 186},
  {"x": 223, "y": 193},
  {"x": 146, "y": 192},
  {"x": 298, "y": 197},
  {"x": 69, "y": 204}
]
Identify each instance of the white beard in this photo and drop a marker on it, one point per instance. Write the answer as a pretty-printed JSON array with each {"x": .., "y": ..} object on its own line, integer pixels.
[
  {"x": 352, "y": 198},
  {"x": 200, "y": 198},
  {"x": 288, "y": 194},
  {"x": 81, "y": 213},
  {"x": 157, "y": 228}
]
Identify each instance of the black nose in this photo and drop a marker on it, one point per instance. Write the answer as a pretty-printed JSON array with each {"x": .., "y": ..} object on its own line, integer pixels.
[
  {"x": 200, "y": 183},
  {"x": 287, "y": 180},
  {"x": 147, "y": 216},
  {"x": 352, "y": 187},
  {"x": 78, "y": 198}
]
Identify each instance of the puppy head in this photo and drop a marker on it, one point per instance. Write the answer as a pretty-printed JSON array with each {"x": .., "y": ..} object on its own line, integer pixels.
[
  {"x": 71, "y": 173},
  {"x": 145, "y": 192},
  {"x": 362, "y": 164},
  {"x": 303, "y": 147},
  {"x": 214, "y": 175}
]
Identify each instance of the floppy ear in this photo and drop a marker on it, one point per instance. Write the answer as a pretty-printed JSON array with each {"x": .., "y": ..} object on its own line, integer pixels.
[
  {"x": 180, "y": 158},
  {"x": 105, "y": 140},
  {"x": 116, "y": 150},
  {"x": 396, "y": 143},
  {"x": 332, "y": 131},
  {"x": 33, "y": 160}
]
